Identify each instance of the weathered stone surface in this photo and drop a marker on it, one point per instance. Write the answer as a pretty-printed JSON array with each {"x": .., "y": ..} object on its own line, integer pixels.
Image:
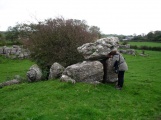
[
  {"x": 87, "y": 71},
  {"x": 65, "y": 78},
  {"x": 7, "y": 50},
  {"x": 128, "y": 51},
  {"x": 56, "y": 71},
  {"x": 111, "y": 75},
  {"x": 10, "y": 82},
  {"x": 98, "y": 49},
  {"x": 13, "y": 50},
  {"x": 34, "y": 73}
]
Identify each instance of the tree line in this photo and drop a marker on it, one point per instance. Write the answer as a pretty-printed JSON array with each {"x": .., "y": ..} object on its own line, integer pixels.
[{"x": 154, "y": 36}]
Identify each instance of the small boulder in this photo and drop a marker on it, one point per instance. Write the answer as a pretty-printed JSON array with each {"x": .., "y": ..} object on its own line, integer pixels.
[
  {"x": 56, "y": 71},
  {"x": 34, "y": 73}
]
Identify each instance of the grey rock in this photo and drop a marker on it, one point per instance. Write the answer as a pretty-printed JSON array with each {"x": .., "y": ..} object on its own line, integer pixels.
[
  {"x": 13, "y": 50},
  {"x": 87, "y": 71},
  {"x": 128, "y": 51},
  {"x": 7, "y": 50},
  {"x": 111, "y": 75},
  {"x": 10, "y": 82},
  {"x": 98, "y": 49},
  {"x": 56, "y": 71},
  {"x": 34, "y": 73},
  {"x": 65, "y": 78}
]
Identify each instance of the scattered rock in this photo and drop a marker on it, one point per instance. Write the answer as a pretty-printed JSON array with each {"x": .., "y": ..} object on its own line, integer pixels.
[
  {"x": 65, "y": 78},
  {"x": 34, "y": 73},
  {"x": 10, "y": 82}
]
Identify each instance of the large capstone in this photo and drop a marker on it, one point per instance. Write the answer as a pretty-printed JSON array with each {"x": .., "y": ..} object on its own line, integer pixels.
[{"x": 98, "y": 49}]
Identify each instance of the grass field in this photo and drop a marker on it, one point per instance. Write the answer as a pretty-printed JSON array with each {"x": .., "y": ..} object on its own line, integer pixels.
[
  {"x": 140, "y": 98},
  {"x": 9, "y": 68},
  {"x": 149, "y": 44}
]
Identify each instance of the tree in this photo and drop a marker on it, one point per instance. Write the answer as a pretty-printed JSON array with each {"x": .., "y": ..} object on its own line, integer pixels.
[
  {"x": 12, "y": 33},
  {"x": 150, "y": 36},
  {"x": 95, "y": 31},
  {"x": 157, "y": 35},
  {"x": 56, "y": 40}
]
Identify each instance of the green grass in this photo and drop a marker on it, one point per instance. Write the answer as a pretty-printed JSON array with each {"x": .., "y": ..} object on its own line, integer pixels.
[
  {"x": 140, "y": 98},
  {"x": 9, "y": 68},
  {"x": 149, "y": 44}
]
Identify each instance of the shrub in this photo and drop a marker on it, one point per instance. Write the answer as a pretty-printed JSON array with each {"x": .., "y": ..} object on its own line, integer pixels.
[{"x": 56, "y": 40}]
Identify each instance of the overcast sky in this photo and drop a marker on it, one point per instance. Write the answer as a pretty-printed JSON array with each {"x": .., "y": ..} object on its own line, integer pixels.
[{"x": 111, "y": 16}]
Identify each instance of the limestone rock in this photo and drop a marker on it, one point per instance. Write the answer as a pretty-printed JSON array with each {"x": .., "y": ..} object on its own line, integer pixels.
[
  {"x": 10, "y": 82},
  {"x": 34, "y": 73},
  {"x": 98, "y": 49},
  {"x": 65, "y": 78},
  {"x": 87, "y": 71},
  {"x": 111, "y": 75},
  {"x": 56, "y": 71}
]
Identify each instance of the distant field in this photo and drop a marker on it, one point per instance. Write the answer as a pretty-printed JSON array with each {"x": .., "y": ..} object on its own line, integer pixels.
[{"x": 149, "y": 44}]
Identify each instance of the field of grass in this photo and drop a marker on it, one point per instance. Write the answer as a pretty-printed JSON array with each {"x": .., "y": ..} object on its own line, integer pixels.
[
  {"x": 140, "y": 98},
  {"x": 9, "y": 68},
  {"x": 149, "y": 44}
]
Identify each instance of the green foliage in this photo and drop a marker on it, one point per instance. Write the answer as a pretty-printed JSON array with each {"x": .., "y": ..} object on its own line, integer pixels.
[
  {"x": 151, "y": 36},
  {"x": 12, "y": 33},
  {"x": 140, "y": 98}
]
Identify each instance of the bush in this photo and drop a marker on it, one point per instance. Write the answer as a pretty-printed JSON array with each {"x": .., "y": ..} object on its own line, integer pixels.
[{"x": 56, "y": 40}]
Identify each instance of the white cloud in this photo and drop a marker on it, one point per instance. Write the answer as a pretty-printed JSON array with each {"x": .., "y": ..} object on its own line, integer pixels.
[{"x": 112, "y": 16}]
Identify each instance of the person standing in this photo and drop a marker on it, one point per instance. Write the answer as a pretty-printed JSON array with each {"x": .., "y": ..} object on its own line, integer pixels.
[{"x": 118, "y": 61}]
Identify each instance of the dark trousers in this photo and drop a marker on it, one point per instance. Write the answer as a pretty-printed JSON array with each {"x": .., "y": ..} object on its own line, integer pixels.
[{"x": 121, "y": 78}]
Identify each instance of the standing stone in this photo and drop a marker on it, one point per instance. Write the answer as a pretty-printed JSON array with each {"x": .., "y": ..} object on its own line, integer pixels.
[
  {"x": 87, "y": 71},
  {"x": 34, "y": 73},
  {"x": 111, "y": 75},
  {"x": 56, "y": 71}
]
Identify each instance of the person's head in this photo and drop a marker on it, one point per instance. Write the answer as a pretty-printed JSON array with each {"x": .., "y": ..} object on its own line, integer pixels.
[{"x": 113, "y": 52}]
